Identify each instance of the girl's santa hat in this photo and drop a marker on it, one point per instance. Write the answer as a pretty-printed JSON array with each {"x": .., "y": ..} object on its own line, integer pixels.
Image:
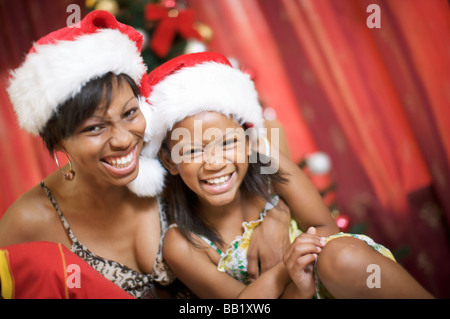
[
  {"x": 62, "y": 62},
  {"x": 191, "y": 84}
]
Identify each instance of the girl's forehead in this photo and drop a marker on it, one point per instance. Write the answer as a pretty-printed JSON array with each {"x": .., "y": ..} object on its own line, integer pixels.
[
  {"x": 209, "y": 119},
  {"x": 206, "y": 127}
]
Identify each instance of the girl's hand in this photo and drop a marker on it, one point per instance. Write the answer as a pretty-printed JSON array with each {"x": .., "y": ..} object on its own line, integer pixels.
[{"x": 299, "y": 261}]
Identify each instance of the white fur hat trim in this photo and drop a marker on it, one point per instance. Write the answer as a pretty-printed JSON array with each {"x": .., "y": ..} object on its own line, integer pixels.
[{"x": 56, "y": 72}]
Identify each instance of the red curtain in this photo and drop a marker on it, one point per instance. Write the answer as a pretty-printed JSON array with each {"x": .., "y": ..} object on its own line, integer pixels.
[
  {"x": 375, "y": 99},
  {"x": 24, "y": 160}
]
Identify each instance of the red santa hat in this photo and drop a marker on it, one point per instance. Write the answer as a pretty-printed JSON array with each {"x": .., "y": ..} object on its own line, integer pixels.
[
  {"x": 191, "y": 84},
  {"x": 62, "y": 62}
]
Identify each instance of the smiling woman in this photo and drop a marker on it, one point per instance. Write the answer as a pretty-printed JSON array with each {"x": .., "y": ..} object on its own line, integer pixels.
[
  {"x": 83, "y": 91},
  {"x": 86, "y": 113},
  {"x": 110, "y": 132}
]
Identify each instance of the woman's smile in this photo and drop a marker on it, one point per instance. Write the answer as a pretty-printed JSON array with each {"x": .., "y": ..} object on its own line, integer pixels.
[{"x": 122, "y": 164}]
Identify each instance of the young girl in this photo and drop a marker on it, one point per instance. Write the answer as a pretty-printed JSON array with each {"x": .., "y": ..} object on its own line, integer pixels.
[{"x": 203, "y": 109}]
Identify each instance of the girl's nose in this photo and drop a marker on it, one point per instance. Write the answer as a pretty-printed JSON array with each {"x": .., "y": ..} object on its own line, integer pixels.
[{"x": 214, "y": 159}]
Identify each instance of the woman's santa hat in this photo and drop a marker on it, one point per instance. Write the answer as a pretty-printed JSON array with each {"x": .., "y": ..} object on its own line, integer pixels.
[
  {"x": 191, "y": 84},
  {"x": 62, "y": 62}
]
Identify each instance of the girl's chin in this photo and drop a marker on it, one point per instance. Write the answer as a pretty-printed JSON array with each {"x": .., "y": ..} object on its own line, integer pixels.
[{"x": 220, "y": 200}]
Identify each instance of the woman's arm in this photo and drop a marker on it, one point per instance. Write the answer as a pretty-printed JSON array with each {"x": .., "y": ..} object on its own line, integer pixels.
[
  {"x": 305, "y": 206},
  {"x": 304, "y": 201},
  {"x": 196, "y": 269},
  {"x": 270, "y": 240}
]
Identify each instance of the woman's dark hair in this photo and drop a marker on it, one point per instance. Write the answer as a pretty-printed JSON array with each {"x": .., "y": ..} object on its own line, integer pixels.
[
  {"x": 69, "y": 115},
  {"x": 183, "y": 202}
]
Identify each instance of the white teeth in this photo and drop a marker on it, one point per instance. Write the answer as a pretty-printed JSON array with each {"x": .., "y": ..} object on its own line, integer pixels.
[
  {"x": 121, "y": 162},
  {"x": 218, "y": 180}
]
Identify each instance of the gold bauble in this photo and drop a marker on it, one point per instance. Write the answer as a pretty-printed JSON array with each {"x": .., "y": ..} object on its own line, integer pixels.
[
  {"x": 204, "y": 30},
  {"x": 90, "y": 3},
  {"x": 108, "y": 5}
]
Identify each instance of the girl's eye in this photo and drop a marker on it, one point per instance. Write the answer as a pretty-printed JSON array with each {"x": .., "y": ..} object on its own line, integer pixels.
[
  {"x": 193, "y": 152},
  {"x": 229, "y": 142}
]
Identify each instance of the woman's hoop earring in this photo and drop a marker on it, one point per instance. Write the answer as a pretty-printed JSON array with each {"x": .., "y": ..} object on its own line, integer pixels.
[{"x": 70, "y": 174}]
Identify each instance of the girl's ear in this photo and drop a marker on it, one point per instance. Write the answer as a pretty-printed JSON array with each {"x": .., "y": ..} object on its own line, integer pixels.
[
  {"x": 250, "y": 145},
  {"x": 166, "y": 160}
]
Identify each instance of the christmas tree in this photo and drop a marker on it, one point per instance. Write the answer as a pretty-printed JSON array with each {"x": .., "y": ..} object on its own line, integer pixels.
[{"x": 169, "y": 27}]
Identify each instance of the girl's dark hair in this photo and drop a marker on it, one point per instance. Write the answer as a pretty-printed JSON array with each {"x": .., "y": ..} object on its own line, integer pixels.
[
  {"x": 69, "y": 115},
  {"x": 183, "y": 202}
]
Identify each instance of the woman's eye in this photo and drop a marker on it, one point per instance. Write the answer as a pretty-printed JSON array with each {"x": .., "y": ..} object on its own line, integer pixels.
[
  {"x": 92, "y": 129},
  {"x": 131, "y": 112}
]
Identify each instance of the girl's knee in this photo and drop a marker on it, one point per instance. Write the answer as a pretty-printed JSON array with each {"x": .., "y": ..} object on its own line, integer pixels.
[{"x": 344, "y": 260}]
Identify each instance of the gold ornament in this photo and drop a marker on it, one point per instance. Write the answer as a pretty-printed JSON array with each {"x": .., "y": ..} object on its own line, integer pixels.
[
  {"x": 108, "y": 5},
  {"x": 204, "y": 30},
  {"x": 90, "y": 3}
]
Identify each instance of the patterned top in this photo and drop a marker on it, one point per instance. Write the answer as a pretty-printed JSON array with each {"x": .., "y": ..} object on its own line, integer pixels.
[
  {"x": 234, "y": 260},
  {"x": 137, "y": 284}
]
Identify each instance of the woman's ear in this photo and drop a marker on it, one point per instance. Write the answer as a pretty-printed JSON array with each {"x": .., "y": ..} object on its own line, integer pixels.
[{"x": 164, "y": 156}]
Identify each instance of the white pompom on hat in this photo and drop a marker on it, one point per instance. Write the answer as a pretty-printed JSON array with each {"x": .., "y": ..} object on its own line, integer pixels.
[
  {"x": 62, "y": 62},
  {"x": 190, "y": 84}
]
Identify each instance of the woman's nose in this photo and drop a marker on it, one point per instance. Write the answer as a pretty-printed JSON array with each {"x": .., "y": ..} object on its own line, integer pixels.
[{"x": 121, "y": 137}]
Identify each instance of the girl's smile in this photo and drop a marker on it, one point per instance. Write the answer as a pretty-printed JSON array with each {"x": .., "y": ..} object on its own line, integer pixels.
[{"x": 220, "y": 184}]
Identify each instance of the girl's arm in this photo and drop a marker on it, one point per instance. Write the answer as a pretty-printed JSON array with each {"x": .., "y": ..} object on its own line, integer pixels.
[{"x": 196, "y": 269}]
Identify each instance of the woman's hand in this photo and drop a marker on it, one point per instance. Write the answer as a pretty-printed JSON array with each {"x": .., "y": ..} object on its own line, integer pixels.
[
  {"x": 270, "y": 240},
  {"x": 299, "y": 262}
]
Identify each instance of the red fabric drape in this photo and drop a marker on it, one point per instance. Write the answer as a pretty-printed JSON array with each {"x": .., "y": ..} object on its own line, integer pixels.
[
  {"x": 24, "y": 160},
  {"x": 376, "y": 100}
]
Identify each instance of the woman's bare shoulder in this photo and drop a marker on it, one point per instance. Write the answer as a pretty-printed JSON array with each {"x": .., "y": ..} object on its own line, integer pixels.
[{"x": 28, "y": 218}]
